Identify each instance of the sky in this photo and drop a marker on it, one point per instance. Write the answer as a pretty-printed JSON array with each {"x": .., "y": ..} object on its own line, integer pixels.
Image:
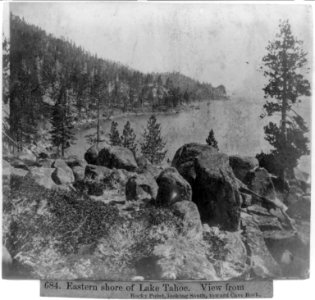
[{"x": 214, "y": 43}]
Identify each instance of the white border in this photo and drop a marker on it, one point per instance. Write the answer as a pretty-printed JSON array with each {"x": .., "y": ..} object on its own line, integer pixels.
[{"x": 283, "y": 289}]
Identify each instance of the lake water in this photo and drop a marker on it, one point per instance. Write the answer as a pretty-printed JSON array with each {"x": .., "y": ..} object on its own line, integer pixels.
[{"x": 237, "y": 126}]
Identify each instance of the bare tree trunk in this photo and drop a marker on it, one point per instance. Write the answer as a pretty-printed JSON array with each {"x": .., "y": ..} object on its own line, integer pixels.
[
  {"x": 98, "y": 124},
  {"x": 284, "y": 108}
]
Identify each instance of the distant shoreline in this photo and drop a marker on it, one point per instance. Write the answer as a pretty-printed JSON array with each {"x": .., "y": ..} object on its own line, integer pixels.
[{"x": 172, "y": 111}]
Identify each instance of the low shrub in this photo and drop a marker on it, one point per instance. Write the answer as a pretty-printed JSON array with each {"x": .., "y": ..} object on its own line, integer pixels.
[
  {"x": 34, "y": 215},
  {"x": 90, "y": 187}
]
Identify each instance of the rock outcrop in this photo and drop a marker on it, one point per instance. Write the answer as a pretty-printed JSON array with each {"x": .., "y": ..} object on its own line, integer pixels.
[
  {"x": 215, "y": 191},
  {"x": 188, "y": 212},
  {"x": 172, "y": 188},
  {"x": 262, "y": 264},
  {"x": 227, "y": 251},
  {"x": 22, "y": 164},
  {"x": 242, "y": 165},
  {"x": 62, "y": 176},
  {"x": 6, "y": 262},
  {"x": 144, "y": 166},
  {"x": 46, "y": 162},
  {"x": 97, "y": 173},
  {"x": 185, "y": 156},
  {"x": 205, "y": 224},
  {"x": 214, "y": 185},
  {"x": 260, "y": 181},
  {"x": 141, "y": 186},
  {"x": 117, "y": 157},
  {"x": 74, "y": 161},
  {"x": 43, "y": 177},
  {"x": 91, "y": 155},
  {"x": 118, "y": 179},
  {"x": 62, "y": 173},
  {"x": 79, "y": 173},
  {"x": 8, "y": 170},
  {"x": 27, "y": 156}
]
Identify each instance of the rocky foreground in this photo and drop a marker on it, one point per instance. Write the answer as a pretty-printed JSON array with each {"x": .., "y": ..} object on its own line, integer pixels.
[{"x": 113, "y": 216}]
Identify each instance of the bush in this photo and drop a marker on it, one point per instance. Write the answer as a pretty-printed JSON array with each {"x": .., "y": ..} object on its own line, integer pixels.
[
  {"x": 269, "y": 162},
  {"x": 34, "y": 216},
  {"x": 80, "y": 222},
  {"x": 90, "y": 187},
  {"x": 48, "y": 230}
]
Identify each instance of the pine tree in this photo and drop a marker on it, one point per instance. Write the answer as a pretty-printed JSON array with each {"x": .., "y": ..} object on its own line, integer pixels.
[
  {"x": 284, "y": 69},
  {"x": 6, "y": 139},
  {"x": 128, "y": 138},
  {"x": 62, "y": 129},
  {"x": 211, "y": 141},
  {"x": 153, "y": 145},
  {"x": 114, "y": 135}
]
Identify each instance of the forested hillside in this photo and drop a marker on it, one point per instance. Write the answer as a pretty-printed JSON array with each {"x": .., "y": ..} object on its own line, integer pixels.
[{"x": 52, "y": 78}]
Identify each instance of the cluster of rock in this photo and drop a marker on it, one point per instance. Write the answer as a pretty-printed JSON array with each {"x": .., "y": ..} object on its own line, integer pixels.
[{"x": 220, "y": 200}]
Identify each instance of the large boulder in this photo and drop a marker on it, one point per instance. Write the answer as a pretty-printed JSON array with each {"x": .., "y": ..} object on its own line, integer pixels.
[
  {"x": 27, "y": 156},
  {"x": 172, "y": 187},
  {"x": 185, "y": 156},
  {"x": 301, "y": 176},
  {"x": 262, "y": 263},
  {"x": 74, "y": 161},
  {"x": 188, "y": 212},
  {"x": 6, "y": 262},
  {"x": 142, "y": 162},
  {"x": 63, "y": 173},
  {"x": 180, "y": 258},
  {"x": 97, "y": 173},
  {"x": 144, "y": 166},
  {"x": 264, "y": 219},
  {"x": 293, "y": 195},
  {"x": 140, "y": 186},
  {"x": 215, "y": 191},
  {"x": 40, "y": 150},
  {"x": 118, "y": 179},
  {"x": 60, "y": 163},
  {"x": 22, "y": 164},
  {"x": 46, "y": 162},
  {"x": 43, "y": 177},
  {"x": 228, "y": 252},
  {"x": 91, "y": 155},
  {"x": 117, "y": 157},
  {"x": 63, "y": 176},
  {"x": 241, "y": 165},
  {"x": 301, "y": 209},
  {"x": 18, "y": 172},
  {"x": 8, "y": 170},
  {"x": 260, "y": 181},
  {"x": 79, "y": 173},
  {"x": 291, "y": 249}
]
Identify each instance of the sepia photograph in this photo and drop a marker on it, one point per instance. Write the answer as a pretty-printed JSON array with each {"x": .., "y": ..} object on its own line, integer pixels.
[{"x": 156, "y": 141}]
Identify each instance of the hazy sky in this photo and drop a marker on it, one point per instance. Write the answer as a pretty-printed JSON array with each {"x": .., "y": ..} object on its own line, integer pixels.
[{"x": 208, "y": 42}]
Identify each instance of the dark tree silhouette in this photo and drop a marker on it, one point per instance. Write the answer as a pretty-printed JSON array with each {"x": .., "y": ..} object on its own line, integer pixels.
[
  {"x": 211, "y": 141},
  {"x": 284, "y": 65},
  {"x": 62, "y": 129},
  {"x": 152, "y": 146},
  {"x": 128, "y": 138},
  {"x": 114, "y": 135}
]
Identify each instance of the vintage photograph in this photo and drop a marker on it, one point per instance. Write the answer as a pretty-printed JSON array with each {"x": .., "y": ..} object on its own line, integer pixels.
[{"x": 156, "y": 141}]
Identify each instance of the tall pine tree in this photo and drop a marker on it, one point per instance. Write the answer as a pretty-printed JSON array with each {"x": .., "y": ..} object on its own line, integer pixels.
[
  {"x": 62, "y": 129},
  {"x": 211, "y": 141},
  {"x": 128, "y": 138},
  {"x": 114, "y": 137},
  {"x": 284, "y": 64},
  {"x": 153, "y": 145}
]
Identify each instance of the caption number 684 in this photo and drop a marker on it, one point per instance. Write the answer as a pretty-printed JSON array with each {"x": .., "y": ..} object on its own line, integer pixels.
[{"x": 51, "y": 285}]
